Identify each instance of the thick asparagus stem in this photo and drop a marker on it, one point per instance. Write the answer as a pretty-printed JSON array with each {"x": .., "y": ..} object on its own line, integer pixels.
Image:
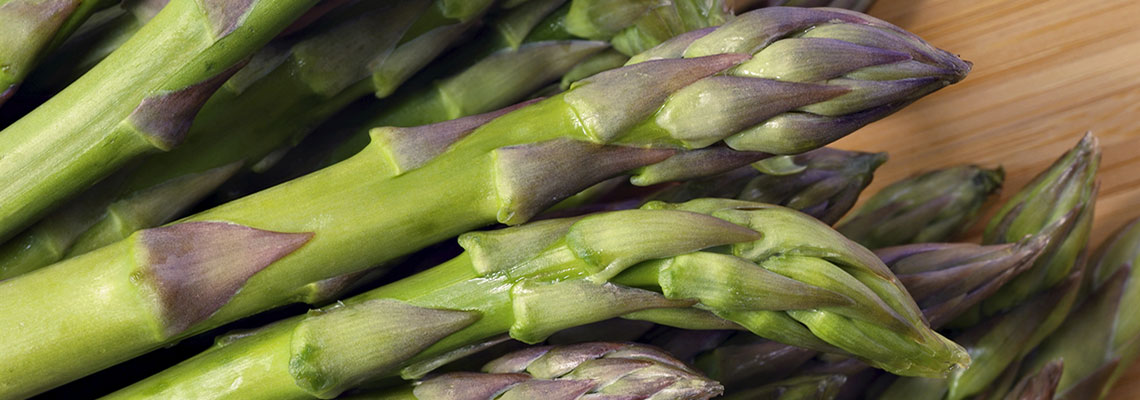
[
  {"x": 158, "y": 80},
  {"x": 374, "y": 207},
  {"x": 566, "y": 372},
  {"x": 290, "y": 87},
  {"x": 931, "y": 207},
  {"x": 807, "y": 285}
]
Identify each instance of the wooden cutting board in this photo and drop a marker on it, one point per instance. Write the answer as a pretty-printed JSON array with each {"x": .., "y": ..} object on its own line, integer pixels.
[{"x": 1045, "y": 72}]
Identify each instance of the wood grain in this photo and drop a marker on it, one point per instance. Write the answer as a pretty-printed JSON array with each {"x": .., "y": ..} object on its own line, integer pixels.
[{"x": 1045, "y": 72}]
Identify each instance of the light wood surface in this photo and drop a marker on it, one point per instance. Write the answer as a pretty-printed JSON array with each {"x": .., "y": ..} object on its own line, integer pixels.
[{"x": 1045, "y": 72}]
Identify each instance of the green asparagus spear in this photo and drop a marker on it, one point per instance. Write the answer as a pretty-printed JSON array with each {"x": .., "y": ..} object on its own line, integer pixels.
[
  {"x": 806, "y": 285},
  {"x": 945, "y": 280},
  {"x": 288, "y": 88},
  {"x": 1100, "y": 339},
  {"x": 1065, "y": 191},
  {"x": 505, "y": 69},
  {"x": 826, "y": 188},
  {"x": 567, "y": 372},
  {"x": 926, "y": 208},
  {"x": 857, "y": 5},
  {"x": 140, "y": 100},
  {"x": 256, "y": 253},
  {"x": 32, "y": 29}
]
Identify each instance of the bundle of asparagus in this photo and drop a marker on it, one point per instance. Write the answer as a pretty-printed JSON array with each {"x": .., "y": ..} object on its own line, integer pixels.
[{"x": 451, "y": 115}]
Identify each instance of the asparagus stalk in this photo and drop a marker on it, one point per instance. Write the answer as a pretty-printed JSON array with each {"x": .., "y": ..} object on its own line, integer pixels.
[
  {"x": 288, "y": 88},
  {"x": 505, "y": 166},
  {"x": 32, "y": 28},
  {"x": 567, "y": 372},
  {"x": 827, "y": 186},
  {"x": 1064, "y": 191},
  {"x": 158, "y": 80},
  {"x": 508, "y": 68},
  {"x": 1099, "y": 340},
  {"x": 945, "y": 280},
  {"x": 931, "y": 207},
  {"x": 808, "y": 286}
]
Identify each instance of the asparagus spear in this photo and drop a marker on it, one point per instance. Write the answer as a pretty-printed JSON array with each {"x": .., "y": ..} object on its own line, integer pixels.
[
  {"x": 567, "y": 372},
  {"x": 931, "y": 207},
  {"x": 505, "y": 166},
  {"x": 807, "y": 285},
  {"x": 291, "y": 86},
  {"x": 158, "y": 80},
  {"x": 827, "y": 186},
  {"x": 1099, "y": 340},
  {"x": 1064, "y": 191},
  {"x": 507, "y": 69},
  {"x": 32, "y": 28},
  {"x": 945, "y": 280}
]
